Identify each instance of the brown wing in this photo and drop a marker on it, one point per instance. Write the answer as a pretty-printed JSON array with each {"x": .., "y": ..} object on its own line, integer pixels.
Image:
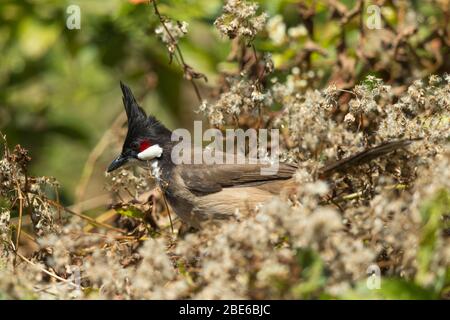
[{"x": 206, "y": 179}]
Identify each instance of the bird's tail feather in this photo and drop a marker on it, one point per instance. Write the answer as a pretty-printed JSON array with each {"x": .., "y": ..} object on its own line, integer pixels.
[{"x": 365, "y": 156}]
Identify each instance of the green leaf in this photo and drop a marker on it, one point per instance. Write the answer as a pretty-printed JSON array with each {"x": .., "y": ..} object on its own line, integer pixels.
[
  {"x": 312, "y": 274},
  {"x": 4, "y": 203},
  {"x": 132, "y": 212},
  {"x": 404, "y": 290},
  {"x": 36, "y": 38},
  {"x": 391, "y": 288},
  {"x": 431, "y": 212}
]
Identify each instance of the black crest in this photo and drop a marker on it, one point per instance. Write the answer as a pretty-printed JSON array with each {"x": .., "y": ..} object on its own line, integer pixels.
[
  {"x": 133, "y": 110},
  {"x": 139, "y": 124}
]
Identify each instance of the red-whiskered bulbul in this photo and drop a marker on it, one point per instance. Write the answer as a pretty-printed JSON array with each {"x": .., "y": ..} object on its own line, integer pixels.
[{"x": 199, "y": 193}]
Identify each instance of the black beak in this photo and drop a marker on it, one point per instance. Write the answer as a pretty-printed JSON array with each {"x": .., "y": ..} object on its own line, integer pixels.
[{"x": 117, "y": 163}]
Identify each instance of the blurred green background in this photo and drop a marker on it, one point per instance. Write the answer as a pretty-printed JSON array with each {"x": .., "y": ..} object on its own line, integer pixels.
[{"x": 59, "y": 88}]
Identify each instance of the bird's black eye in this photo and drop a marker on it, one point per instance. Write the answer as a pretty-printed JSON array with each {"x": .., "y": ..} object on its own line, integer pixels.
[{"x": 135, "y": 146}]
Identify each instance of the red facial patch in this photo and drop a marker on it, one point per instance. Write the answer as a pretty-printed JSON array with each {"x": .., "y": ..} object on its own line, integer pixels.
[{"x": 144, "y": 145}]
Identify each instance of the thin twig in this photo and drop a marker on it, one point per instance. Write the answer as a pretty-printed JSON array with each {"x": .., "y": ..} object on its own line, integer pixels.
[
  {"x": 186, "y": 68},
  {"x": 106, "y": 236},
  {"x": 19, "y": 224},
  {"x": 82, "y": 216},
  {"x": 263, "y": 73},
  {"x": 92, "y": 203},
  {"x": 168, "y": 211},
  {"x": 5, "y": 144},
  {"x": 57, "y": 200},
  {"x": 51, "y": 274},
  {"x": 29, "y": 236}
]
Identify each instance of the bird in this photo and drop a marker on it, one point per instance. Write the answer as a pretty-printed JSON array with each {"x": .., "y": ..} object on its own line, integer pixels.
[{"x": 201, "y": 194}]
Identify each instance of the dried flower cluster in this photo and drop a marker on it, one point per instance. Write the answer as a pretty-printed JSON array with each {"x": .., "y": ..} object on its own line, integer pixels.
[
  {"x": 240, "y": 19},
  {"x": 243, "y": 97},
  {"x": 171, "y": 32},
  {"x": 22, "y": 192},
  {"x": 279, "y": 34}
]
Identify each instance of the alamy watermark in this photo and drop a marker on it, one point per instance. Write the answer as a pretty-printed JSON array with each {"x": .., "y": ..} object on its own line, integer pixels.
[
  {"x": 374, "y": 19},
  {"x": 235, "y": 147},
  {"x": 73, "y": 282},
  {"x": 373, "y": 281},
  {"x": 73, "y": 20}
]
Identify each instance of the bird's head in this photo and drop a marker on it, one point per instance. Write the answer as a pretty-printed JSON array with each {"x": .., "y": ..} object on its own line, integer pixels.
[{"x": 146, "y": 136}]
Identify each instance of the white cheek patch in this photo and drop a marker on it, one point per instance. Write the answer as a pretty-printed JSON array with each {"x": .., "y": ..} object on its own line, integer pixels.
[{"x": 150, "y": 153}]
